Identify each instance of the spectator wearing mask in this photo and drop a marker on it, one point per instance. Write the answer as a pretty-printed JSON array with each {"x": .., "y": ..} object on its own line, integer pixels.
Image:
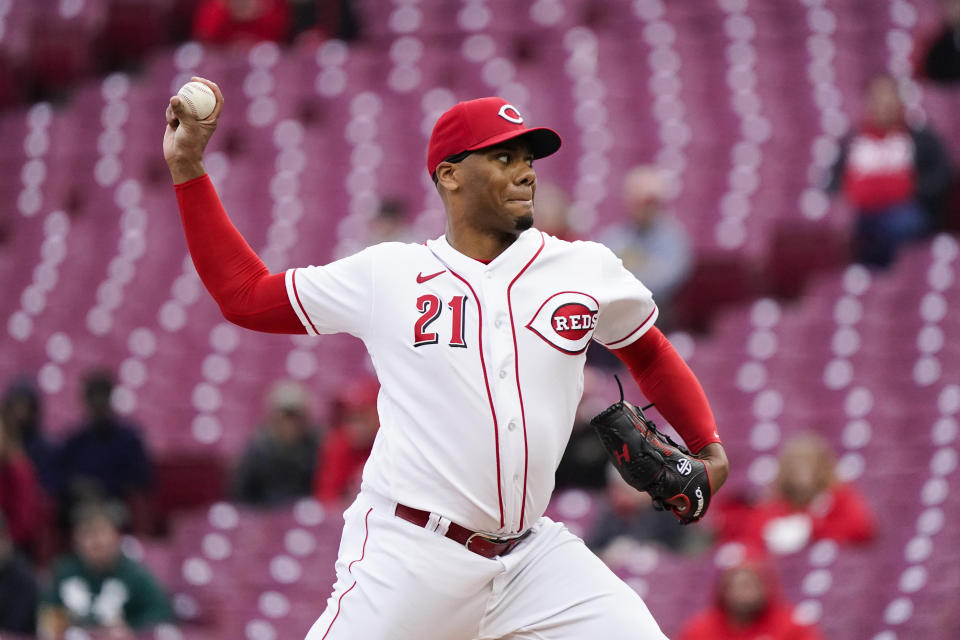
[
  {"x": 104, "y": 457},
  {"x": 895, "y": 176},
  {"x": 652, "y": 244},
  {"x": 18, "y": 588},
  {"x": 348, "y": 444},
  {"x": 98, "y": 587},
  {"x": 748, "y": 605},
  {"x": 806, "y": 503},
  {"x": 278, "y": 465}
]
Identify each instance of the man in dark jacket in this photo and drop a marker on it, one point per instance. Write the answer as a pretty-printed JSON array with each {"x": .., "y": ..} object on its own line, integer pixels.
[
  {"x": 104, "y": 458},
  {"x": 939, "y": 60},
  {"x": 18, "y": 588}
]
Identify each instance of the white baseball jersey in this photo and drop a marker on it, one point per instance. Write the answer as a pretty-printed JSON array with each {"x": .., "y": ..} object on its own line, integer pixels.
[{"x": 480, "y": 365}]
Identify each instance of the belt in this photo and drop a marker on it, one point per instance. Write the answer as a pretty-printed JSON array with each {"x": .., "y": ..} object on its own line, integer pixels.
[{"x": 482, "y": 544}]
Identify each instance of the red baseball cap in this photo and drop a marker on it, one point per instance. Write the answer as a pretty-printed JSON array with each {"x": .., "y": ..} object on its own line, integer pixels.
[{"x": 475, "y": 124}]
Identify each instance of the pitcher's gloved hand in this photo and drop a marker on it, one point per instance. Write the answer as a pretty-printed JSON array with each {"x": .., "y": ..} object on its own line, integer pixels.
[{"x": 650, "y": 461}]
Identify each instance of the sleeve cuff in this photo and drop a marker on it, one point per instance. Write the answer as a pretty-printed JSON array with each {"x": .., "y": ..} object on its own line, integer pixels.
[
  {"x": 297, "y": 304},
  {"x": 205, "y": 178}
]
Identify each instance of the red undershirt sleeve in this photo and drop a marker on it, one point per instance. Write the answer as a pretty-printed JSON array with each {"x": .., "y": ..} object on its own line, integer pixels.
[
  {"x": 247, "y": 293},
  {"x": 667, "y": 381}
]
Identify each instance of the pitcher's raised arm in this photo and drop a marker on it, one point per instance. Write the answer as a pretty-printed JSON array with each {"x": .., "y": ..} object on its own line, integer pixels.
[{"x": 247, "y": 293}]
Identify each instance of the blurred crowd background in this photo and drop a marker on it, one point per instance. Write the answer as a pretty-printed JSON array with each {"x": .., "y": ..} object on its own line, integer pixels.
[{"x": 781, "y": 173}]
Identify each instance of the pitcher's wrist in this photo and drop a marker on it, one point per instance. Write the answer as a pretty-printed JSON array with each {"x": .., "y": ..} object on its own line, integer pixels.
[{"x": 186, "y": 170}]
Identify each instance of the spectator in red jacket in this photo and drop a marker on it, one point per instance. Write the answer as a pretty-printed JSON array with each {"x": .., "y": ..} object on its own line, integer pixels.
[
  {"x": 22, "y": 502},
  {"x": 22, "y": 410},
  {"x": 225, "y": 21},
  {"x": 806, "y": 503},
  {"x": 348, "y": 444},
  {"x": 896, "y": 176},
  {"x": 748, "y": 605}
]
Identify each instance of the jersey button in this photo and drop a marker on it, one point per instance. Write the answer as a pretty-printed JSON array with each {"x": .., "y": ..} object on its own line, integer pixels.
[
  {"x": 512, "y": 425},
  {"x": 503, "y": 373}
]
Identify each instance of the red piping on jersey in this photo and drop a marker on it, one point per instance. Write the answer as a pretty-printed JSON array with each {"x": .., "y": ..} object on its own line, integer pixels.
[
  {"x": 296, "y": 294},
  {"x": 363, "y": 552},
  {"x": 642, "y": 324},
  {"x": 516, "y": 371},
  {"x": 486, "y": 382}
]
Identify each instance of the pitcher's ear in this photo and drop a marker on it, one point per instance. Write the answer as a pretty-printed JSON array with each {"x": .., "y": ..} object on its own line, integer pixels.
[{"x": 447, "y": 176}]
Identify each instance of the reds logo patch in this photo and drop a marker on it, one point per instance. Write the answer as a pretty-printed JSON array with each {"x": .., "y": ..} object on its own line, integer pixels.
[{"x": 566, "y": 321}]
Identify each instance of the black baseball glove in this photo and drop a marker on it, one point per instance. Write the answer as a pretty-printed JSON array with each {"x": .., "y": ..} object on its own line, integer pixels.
[{"x": 650, "y": 461}]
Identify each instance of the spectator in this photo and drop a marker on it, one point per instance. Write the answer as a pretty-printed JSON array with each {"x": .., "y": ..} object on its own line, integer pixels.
[
  {"x": 652, "y": 244},
  {"x": 22, "y": 502},
  {"x": 348, "y": 444},
  {"x": 18, "y": 588},
  {"x": 895, "y": 176},
  {"x": 278, "y": 465},
  {"x": 98, "y": 586},
  {"x": 390, "y": 223},
  {"x": 627, "y": 520},
  {"x": 748, "y": 605},
  {"x": 806, "y": 503},
  {"x": 104, "y": 456},
  {"x": 552, "y": 211},
  {"x": 21, "y": 411},
  {"x": 227, "y": 21},
  {"x": 317, "y": 21},
  {"x": 939, "y": 60}
]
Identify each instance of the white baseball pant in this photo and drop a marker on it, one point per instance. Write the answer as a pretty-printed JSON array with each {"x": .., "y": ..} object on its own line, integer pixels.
[{"x": 398, "y": 581}]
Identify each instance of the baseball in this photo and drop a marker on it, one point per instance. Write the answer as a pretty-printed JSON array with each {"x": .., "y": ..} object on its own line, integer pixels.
[{"x": 198, "y": 98}]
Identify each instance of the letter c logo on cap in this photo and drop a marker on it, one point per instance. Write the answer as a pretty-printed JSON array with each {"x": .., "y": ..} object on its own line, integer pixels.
[{"x": 514, "y": 117}]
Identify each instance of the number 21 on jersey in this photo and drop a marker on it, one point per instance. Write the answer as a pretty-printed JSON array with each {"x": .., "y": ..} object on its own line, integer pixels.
[{"x": 430, "y": 308}]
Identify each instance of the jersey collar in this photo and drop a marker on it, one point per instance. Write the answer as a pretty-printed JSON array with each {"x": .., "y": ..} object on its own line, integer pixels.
[{"x": 507, "y": 264}]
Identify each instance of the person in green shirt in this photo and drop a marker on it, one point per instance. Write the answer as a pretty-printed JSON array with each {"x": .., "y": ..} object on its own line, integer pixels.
[{"x": 98, "y": 586}]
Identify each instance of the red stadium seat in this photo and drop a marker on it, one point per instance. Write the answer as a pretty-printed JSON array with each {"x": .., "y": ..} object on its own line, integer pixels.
[
  {"x": 799, "y": 250},
  {"x": 718, "y": 280}
]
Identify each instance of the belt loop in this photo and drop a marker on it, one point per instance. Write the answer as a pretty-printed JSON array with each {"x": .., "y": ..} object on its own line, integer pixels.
[
  {"x": 438, "y": 523},
  {"x": 442, "y": 525}
]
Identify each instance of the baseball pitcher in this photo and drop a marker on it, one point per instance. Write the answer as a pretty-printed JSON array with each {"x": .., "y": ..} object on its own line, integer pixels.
[{"x": 478, "y": 338}]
